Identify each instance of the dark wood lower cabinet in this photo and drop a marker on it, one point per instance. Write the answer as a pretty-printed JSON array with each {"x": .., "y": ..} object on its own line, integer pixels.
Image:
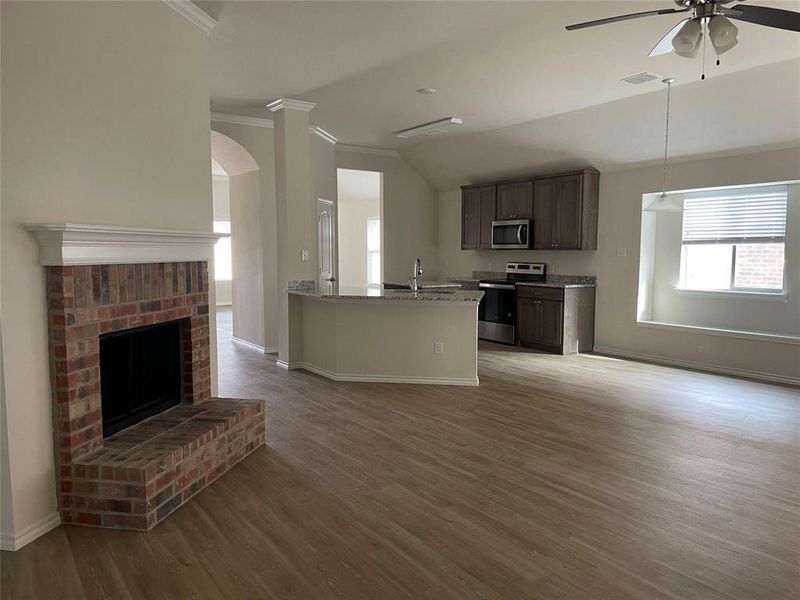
[{"x": 559, "y": 320}]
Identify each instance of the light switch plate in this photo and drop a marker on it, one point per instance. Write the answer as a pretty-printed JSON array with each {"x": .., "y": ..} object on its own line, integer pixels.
[
  {"x": 438, "y": 348},
  {"x": 622, "y": 251},
  {"x": 304, "y": 255}
]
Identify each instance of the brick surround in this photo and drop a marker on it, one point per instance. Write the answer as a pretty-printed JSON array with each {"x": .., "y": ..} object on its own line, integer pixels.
[{"x": 138, "y": 476}]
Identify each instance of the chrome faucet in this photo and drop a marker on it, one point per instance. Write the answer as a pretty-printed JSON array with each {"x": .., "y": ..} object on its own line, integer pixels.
[{"x": 413, "y": 284}]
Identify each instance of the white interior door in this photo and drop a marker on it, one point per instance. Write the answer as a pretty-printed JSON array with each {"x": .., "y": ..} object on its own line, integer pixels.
[{"x": 326, "y": 240}]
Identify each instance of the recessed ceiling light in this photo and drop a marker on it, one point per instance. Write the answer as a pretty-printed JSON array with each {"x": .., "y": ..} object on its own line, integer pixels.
[
  {"x": 426, "y": 91},
  {"x": 432, "y": 128}
]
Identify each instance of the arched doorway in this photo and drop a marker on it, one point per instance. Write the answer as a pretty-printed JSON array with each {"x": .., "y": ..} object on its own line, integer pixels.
[{"x": 237, "y": 196}]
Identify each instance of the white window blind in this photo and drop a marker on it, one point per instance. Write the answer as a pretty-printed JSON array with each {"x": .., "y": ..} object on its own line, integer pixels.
[{"x": 735, "y": 215}]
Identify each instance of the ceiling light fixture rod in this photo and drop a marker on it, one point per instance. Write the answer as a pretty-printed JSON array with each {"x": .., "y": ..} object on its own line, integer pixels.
[
  {"x": 669, "y": 81},
  {"x": 665, "y": 202}
]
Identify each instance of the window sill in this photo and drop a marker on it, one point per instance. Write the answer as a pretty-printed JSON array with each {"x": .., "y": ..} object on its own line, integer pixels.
[
  {"x": 747, "y": 335},
  {"x": 739, "y": 295}
]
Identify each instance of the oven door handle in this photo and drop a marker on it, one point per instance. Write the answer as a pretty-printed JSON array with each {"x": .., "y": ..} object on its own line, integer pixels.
[{"x": 497, "y": 286}]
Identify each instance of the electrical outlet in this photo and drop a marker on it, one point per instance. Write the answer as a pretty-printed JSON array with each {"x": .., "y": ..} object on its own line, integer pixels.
[
  {"x": 438, "y": 348},
  {"x": 622, "y": 251},
  {"x": 702, "y": 349},
  {"x": 304, "y": 255}
]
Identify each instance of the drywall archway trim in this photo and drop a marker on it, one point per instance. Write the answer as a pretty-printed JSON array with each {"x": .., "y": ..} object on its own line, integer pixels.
[{"x": 231, "y": 155}]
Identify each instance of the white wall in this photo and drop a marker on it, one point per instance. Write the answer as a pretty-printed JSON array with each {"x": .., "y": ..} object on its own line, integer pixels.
[
  {"x": 245, "y": 188},
  {"x": 253, "y": 193},
  {"x": 95, "y": 97},
  {"x": 247, "y": 291},
  {"x": 359, "y": 200},
  {"x": 619, "y": 226},
  {"x": 221, "y": 197},
  {"x": 410, "y": 214}
]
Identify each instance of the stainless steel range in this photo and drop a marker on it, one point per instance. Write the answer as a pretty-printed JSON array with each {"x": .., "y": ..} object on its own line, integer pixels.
[{"x": 497, "y": 313}]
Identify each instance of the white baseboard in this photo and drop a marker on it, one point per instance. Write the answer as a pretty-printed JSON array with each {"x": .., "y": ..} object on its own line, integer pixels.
[
  {"x": 264, "y": 349},
  {"x": 675, "y": 362},
  {"x": 379, "y": 378},
  {"x": 248, "y": 344},
  {"x": 15, "y": 541}
]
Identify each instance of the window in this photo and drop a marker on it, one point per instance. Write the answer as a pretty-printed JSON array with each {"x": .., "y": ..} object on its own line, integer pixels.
[
  {"x": 373, "y": 251},
  {"x": 733, "y": 239},
  {"x": 223, "y": 267}
]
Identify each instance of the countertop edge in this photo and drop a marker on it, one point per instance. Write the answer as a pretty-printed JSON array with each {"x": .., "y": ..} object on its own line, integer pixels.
[{"x": 409, "y": 299}]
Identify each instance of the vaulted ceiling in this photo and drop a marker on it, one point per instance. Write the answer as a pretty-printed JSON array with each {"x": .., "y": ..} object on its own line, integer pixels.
[{"x": 495, "y": 64}]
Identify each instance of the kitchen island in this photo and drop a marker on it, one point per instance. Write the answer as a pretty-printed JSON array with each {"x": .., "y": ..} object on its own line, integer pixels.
[{"x": 385, "y": 335}]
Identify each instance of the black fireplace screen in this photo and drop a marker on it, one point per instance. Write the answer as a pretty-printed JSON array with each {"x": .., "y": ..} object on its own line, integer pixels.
[{"x": 141, "y": 374}]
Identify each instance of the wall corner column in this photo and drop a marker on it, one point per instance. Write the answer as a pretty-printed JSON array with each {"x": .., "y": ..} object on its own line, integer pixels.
[{"x": 294, "y": 204}]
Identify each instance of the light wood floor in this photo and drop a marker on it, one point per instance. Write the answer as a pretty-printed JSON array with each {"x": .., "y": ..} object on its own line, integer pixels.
[{"x": 558, "y": 478}]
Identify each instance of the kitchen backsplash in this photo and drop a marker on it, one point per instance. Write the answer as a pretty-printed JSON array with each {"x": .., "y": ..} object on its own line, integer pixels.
[{"x": 552, "y": 277}]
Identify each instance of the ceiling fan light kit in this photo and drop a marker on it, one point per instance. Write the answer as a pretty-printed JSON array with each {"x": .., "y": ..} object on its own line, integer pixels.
[
  {"x": 723, "y": 33},
  {"x": 687, "y": 42},
  {"x": 686, "y": 37}
]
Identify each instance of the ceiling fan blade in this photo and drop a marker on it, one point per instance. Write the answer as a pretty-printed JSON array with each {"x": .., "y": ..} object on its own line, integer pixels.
[
  {"x": 665, "y": 45},
  {"x": 762, "y": 15},
  {"x": 647, "y": 13}
]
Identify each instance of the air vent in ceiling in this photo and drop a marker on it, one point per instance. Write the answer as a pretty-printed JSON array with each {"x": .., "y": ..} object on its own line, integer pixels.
[{"x": 641, "y": 78}]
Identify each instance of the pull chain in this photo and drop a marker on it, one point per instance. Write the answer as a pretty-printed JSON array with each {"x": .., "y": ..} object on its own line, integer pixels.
[{"x": 703, "y": 26}]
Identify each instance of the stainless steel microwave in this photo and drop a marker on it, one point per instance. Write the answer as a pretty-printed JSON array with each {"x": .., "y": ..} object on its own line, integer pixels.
[{"x": 511, "y": 235}]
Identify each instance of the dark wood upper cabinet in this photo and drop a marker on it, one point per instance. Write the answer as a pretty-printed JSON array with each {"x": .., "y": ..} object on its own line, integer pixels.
[
  {"x": 515, "y": 200},
  {"x": 488, "y": 200},
  {"x": 565, "y": 211},
  {"x": 470, "y": 219},
  {"x": 546, "y": 192},
  {"x": 478, "y": 207},
  {"x": 563, "y": 208}
]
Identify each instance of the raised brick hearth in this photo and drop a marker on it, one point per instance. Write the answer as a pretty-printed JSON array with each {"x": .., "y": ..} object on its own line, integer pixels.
[
  {"x": 138, "y": 476},
  {"x": 147, "y": 471}
]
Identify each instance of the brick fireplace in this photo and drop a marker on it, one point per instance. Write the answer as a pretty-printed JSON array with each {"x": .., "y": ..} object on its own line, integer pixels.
[{"x": 136, "y": 477}]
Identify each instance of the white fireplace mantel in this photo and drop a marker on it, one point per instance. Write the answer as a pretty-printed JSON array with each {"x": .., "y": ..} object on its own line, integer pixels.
[{"x": 64, "y": 244}]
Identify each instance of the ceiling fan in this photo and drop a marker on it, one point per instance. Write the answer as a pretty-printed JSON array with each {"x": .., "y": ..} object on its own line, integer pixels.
[{"x": 687, "y": 36}]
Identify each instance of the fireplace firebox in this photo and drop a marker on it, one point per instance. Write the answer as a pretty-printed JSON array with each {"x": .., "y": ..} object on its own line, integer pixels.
[
  {"x": 128, "y": 341},
  {"x": 141, "y": 374}
]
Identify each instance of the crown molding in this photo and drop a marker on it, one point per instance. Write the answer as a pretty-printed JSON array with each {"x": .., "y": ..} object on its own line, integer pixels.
[
  {"x": 240, "y": 120},
  {"x": 284, "y": 103},
  {"x": 322, "y": 133},
  {"x": 367, "y": 150},
  {"x": 64, "y": 244},
  {"x": 193, "y": 13}
]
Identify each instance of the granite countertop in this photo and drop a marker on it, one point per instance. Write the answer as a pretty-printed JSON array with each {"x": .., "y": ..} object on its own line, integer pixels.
[
  {"x": 555, "y": 284},
  {"x": 338, "y": 292},
  {"x": 552, "y": 281},
  {"x": 425, "y": 285}
]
